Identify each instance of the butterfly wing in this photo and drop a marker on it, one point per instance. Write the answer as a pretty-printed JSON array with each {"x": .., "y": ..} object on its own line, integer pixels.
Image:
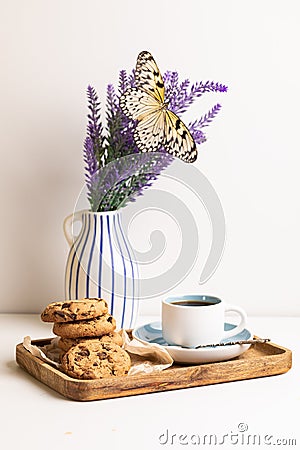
[
  {"x": 144, "y": 104},
  {"x": 178, "y": 140},
  {"x": 149, "y": 134},
  {"x": 148, "y": 76},
  {"x": 164, "y": 128},
  {"x": 138, "y": 104}
]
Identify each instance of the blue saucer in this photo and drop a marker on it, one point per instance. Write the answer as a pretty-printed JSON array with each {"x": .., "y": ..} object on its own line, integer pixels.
[{"x": 151, "y": 333}]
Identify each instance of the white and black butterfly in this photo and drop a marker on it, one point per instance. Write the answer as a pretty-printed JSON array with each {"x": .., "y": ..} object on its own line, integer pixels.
[{"x": 157, "y": 126}]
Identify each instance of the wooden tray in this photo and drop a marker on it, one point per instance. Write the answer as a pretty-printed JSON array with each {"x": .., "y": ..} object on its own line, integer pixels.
[{"x": 260, "y": 360}]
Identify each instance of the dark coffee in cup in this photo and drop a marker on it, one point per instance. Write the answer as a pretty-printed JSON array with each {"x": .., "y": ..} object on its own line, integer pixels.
[{"x": 192, "y": 303}]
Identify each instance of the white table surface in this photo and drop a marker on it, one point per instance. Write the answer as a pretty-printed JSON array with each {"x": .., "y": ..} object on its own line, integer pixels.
[{"x": 35, "y": 417}]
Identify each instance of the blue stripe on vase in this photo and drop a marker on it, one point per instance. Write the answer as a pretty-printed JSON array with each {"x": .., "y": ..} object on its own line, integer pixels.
[
  {"x": 112, "y": 268},
  {"x": 132, "y": 273},
  {"x": 80, "y": 256},
  {"x": 75, "y": 247},
  {"x": 67, "y": 273},
  {"x": 90, "y": 258},
  {"x": 100, "y": 257},
  {"x": 124, "y": 266}
]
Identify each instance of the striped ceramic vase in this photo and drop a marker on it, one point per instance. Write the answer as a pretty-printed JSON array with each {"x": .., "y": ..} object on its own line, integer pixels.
[{"x": 101, "y": 264}]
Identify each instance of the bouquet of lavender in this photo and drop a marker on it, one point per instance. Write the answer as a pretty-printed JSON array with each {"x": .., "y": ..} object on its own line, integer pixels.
[{"x": 116, "y": 170}]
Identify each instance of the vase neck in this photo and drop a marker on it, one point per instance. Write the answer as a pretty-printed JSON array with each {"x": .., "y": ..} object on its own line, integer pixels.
[{"x": 103, "y": 213}]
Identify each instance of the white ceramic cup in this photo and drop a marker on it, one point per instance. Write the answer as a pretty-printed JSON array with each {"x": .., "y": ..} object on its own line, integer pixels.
[{"x": 200, "y": 322}]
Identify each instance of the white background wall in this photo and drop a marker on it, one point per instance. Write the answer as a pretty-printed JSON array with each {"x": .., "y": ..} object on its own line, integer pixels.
[{"x": 51, "y": 51}]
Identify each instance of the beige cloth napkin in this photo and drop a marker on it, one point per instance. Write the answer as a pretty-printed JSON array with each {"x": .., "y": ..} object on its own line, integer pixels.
[
  {"x": 145, "y": 357},
  {"x": 49, "y": 354}
]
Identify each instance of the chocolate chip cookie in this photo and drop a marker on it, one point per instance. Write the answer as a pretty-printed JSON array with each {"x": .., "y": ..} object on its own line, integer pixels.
[
  {"x": 85, "y": 328},
  {"x": 71, "y": 310},
  {"x": 92, "y": 360},
  {"x": 66, "y": 343}
]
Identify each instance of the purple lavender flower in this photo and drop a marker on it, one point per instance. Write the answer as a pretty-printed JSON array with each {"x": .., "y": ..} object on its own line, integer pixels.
[
  {"x": 123, "y": 179},
  {"x": 186, "y": 97},
  {"x": 90, "y": 160},
  {"x": 116, "y": 170},
  {"x": 94, "y": 127},
  {"x": 204, "y": 121}
]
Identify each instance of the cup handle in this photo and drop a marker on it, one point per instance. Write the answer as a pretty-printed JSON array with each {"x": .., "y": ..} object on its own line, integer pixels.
[
  {"x": 68, "y": 226},
  {"x": 241, "y": 326}
]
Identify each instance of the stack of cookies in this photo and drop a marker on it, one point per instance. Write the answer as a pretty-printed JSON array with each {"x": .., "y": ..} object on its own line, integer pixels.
[{"x": 91, "y": 348}]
